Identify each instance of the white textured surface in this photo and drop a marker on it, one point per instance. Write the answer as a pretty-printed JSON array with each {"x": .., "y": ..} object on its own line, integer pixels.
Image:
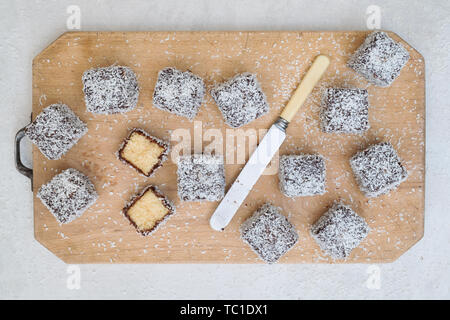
[{"x": 28, "y": 270}]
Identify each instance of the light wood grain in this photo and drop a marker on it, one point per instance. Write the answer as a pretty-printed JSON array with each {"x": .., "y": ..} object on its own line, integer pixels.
[{"x": 280, "y": 59}]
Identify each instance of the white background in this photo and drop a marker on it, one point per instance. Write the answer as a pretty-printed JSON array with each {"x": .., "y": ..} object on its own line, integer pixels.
[{"x": 28, "y": 270}]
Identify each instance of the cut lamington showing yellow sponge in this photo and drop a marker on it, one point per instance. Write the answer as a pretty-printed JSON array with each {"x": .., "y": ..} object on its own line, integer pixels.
[
  {"x": 143, "y": 152},
  {"x": 147, "y": 210}
]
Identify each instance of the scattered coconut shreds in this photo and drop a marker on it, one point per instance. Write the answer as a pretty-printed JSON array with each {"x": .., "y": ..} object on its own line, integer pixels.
[{"x": 281, "y": 63}]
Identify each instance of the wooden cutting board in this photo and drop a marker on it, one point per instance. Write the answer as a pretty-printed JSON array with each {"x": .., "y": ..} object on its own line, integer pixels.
[{"x": 280, "y": 59}]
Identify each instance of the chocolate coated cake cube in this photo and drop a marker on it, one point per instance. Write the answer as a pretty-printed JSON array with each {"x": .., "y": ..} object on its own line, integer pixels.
[
  {"x": 148, "y": 210},
  {"x": 379, "y": 59},
  {"x": 56, "y": 130},
  {"x": 269, "y": 233},
  {"x": 378, "y": 169},
  {"x": 143, "y": 152},
  {"x": 178, "y": 92},
  {"x": 339, "y": 231},
  {"x": 68, "y": 195},
  {"x": 201, "y": 177},
  {"x": 302, "y": 175},
  {"x": 240, "y": 99},
  {"x": 345, "y": 111},
  {"x": 110, "y": 90}
]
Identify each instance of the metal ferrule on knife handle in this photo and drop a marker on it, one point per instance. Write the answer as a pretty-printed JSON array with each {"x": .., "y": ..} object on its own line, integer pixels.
[
  {"x": 281, "y": 124},
  {"x": 268, "y": 146}
]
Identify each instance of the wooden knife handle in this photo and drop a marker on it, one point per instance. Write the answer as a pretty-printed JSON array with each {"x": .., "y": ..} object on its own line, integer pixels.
[{"x": 309, "y": 81}]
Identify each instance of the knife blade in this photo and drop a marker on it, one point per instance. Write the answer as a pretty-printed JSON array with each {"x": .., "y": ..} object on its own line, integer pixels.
[
  {"x": 247, "y": 178},
  {"x": 266, "y": 149}
]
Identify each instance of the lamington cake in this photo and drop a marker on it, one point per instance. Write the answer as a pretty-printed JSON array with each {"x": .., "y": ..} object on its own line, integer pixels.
[
  {"x": 147, "y": 210},
  {"x": 56, "y": 130},
  {"x": 345, "y": 111},
  {"x": 379, "y": 59},
  {"x": 269, "y": 233},
  {"x": 178, "y": 92},
  {"x": 143, "y": 152},
  {"x": 240, "y": 99},
  {"x": 201, "y": 177},
  {"x": 339, "y": 231},
  {"x": 302, "y": 175},
  {"x": 110, "y": 90},
  {"x": 68, "y": 195},
  {"x": 378, "y": 169}
]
